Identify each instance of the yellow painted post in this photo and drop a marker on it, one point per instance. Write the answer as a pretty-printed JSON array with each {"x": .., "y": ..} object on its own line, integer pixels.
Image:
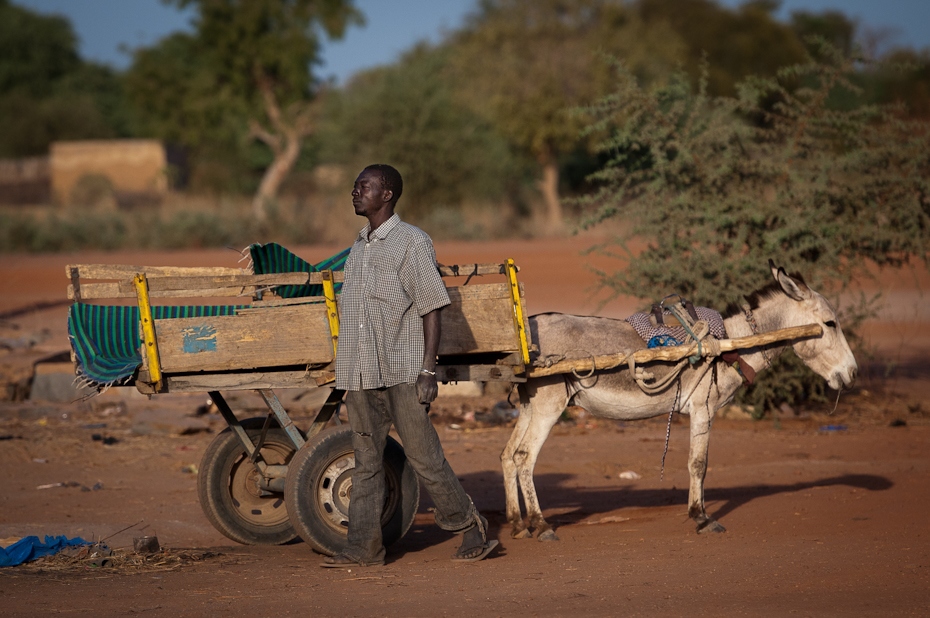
[
  {"x": 332, "y": 311},
  {"x": 518, "y": 311},
  {"x": 148, "y": 326}
]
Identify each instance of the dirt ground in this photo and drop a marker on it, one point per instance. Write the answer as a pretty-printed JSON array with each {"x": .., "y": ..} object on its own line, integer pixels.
[{"x": 825, "y": 514}]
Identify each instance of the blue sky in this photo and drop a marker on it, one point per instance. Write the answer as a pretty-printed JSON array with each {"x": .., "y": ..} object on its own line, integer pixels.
[{"x": 105, "y": 27}]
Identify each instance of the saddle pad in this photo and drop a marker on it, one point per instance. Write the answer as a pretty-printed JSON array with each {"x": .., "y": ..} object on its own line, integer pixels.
[{"x": 661, "y": 335}]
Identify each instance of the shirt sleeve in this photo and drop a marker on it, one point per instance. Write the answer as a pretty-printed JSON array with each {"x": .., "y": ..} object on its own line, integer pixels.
[{"x": 421, "y": 278}]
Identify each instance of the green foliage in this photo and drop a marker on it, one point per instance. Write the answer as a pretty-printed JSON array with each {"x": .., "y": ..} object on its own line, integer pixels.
[
  {"x": 57, "y": 233},
  {"x": 407, "y": 115},
  {"x": 735, "y": 43},
  {"x": 276, "y": 40},
  {"x": 47, "y": 92},
  {"x": 35, "y": 51},
  {"x": 524, "y": 63},
  {"x": 245, "y": 74},
  {"x": 717, "y": 185},
  {"x": 903, "y": 76},
  {"x": 832, "y": 27},
  {"x": 89, "y": 228}
]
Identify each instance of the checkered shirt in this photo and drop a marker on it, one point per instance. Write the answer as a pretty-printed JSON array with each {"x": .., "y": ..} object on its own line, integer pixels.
[{"x": 391, "y": 281}]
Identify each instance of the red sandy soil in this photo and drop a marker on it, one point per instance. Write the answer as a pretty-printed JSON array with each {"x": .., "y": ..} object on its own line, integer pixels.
[{"x": 825, "y": 514}]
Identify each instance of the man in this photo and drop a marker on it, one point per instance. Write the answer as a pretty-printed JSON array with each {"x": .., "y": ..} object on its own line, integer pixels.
[{"x": 386, "y": 363}]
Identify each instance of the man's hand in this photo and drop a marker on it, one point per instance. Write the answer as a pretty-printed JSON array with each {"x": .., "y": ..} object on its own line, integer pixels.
[
  {"x": 427, "y": 389},
  {"x": 432, "y": 331}
]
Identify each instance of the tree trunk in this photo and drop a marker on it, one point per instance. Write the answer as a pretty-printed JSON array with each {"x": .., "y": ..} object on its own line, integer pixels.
[
  {"x": 288, "y": 129},
  {"x": 549, "y": 187},
  {"x": 284, "y": 160}
]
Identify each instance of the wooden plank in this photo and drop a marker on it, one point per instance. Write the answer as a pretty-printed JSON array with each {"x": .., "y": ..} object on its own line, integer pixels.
[
  {"x": 242, "y": 381},
  {"x": 673, "y": 353},
  {"x": 115, "y": 290},
  {"x": 467, "y": 270},
  {"x": 480, "y": 319},
  {"x": 126, "y": 271},
  {"x": 282, "y": 336},
  {"x": 240, "y": 285},
  {"x": 168, "y": 284},
  {"x": 274, "y": 301},
  {"x": 477, "y": 373}
]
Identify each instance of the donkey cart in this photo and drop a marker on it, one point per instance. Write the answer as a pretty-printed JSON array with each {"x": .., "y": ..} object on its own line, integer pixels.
[{"x": 264, "y": 480}]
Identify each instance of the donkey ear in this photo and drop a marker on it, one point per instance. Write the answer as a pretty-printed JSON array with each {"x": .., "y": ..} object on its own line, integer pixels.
[{"x": 796, "y": 290}]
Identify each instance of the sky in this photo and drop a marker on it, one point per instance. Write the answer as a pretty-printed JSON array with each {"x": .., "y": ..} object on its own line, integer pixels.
[{"x": 107, "y": 29}]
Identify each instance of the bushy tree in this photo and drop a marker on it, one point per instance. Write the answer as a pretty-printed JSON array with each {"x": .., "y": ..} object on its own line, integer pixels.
[
  {"x": 718, "y": 185},
  {"x": 407, "y": 114},
  {"x": 734, "y": 43},
  {"x": 47, "y": 92},
  {"x": 245, "y": 72},
  {"x": 524, "y": 63}
]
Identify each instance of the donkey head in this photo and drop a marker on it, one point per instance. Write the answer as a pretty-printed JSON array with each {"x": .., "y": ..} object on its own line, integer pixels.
[{"x": 828, "y": 355}]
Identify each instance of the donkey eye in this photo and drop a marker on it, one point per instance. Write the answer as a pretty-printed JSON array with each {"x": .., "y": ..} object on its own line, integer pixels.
[{"x": 830, "y": 324}]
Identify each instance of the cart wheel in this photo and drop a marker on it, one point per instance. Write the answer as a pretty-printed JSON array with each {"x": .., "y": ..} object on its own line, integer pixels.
[
  {"x": 228, "y": 487},
  {"x": 319, "y": 485}
]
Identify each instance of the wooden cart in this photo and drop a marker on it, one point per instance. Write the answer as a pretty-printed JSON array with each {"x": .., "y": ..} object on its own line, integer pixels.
[{"x": 264, "y": 480}]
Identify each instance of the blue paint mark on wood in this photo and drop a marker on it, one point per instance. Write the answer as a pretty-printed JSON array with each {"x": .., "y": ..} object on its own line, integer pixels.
[{"x": 199, "y": 339}]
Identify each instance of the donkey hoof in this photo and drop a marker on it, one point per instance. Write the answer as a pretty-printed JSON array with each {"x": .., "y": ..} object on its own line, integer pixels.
[
  {"x": 548, "y": 535},
  {"x": 710, "y": 525},
  {"x": 520, "y": 534}
]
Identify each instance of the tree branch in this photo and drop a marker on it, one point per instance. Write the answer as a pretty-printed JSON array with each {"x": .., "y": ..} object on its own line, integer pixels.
[{"x": 257, "y": 131}]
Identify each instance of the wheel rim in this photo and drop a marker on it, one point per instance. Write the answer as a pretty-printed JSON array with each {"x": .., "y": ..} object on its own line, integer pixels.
[
  {"x": 251, "y": 503},
  {"x": 333, "y": 492}
]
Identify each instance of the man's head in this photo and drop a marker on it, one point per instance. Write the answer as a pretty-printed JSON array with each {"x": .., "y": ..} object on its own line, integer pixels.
[
  {"x": 390, "y": 179},
  {"x": 376, "y": 191}
]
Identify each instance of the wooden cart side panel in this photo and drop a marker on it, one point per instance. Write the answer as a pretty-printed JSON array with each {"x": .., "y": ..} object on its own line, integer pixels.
[
  {"x": 282, "y": 336},
  {"x": 239, "y": 285},
  {"x": 124, "y": 272},
  {"x": 479, "y": 320}
]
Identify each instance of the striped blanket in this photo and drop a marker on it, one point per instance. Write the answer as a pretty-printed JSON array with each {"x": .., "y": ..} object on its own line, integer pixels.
[{"x": 106, "y": 339}]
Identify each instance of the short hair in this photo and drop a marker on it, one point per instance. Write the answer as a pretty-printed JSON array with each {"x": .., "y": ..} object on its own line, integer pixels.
[{"x": 390, "y": 179}]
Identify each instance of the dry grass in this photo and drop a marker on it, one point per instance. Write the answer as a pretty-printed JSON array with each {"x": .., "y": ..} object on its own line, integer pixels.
[{"x": 99, "y": 558}]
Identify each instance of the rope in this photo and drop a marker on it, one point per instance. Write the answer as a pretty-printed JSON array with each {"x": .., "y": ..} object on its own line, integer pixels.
[{"x": 699, "y": 331}]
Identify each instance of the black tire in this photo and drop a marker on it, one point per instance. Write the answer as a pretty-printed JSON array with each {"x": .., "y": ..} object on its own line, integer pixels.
[
  {"x": 319, "y": 484},
  {"x": 228, "y": 488}
]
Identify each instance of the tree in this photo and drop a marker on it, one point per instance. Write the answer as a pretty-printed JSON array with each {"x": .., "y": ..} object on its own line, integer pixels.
[
  {"x": 717, "y": 185},
  {"x": 525, "y": 63},
  {"x": 47, "y": 92},
  {"x": 730, "y": 44},
  {"x": 258, "y": 54},
  {"x": 408, "y": 114},
  {"x": 830, "y": 26}
]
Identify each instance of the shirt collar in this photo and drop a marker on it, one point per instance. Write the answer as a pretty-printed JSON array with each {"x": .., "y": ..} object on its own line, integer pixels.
[{"x": 382, "y": 231}]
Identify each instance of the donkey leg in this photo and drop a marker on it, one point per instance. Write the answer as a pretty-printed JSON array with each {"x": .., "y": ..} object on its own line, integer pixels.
[
  {"x": 547, "y": 401},
  {"x": 509, "y": 466},
  {"x": 697, "y": 468}
]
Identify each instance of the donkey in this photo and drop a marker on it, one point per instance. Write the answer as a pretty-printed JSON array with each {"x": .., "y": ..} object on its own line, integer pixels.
[{"x": 699, "y": 391}]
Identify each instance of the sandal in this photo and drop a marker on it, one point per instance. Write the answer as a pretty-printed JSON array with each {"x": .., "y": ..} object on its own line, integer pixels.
[{"x": 471, "y": 551}]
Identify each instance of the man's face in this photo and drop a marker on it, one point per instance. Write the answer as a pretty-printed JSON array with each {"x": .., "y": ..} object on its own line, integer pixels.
[{"x": 368, "y": 194}]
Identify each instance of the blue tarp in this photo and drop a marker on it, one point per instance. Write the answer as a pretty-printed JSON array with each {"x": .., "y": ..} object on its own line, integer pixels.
[{"x": 30, "y": 548}]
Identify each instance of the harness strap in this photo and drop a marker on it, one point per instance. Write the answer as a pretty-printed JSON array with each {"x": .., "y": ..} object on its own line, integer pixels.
[{"x": 744, "y": 368}]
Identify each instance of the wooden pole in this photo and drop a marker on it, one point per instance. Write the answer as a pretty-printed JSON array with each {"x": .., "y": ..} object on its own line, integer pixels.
[{"x": 672, "y": 353}]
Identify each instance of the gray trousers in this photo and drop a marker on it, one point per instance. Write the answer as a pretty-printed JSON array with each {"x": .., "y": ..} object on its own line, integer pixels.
[{"x": 371, "y": 414}]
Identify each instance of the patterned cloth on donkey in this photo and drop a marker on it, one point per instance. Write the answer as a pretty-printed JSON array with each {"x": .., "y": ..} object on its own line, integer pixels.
[
  {"x": 660, "y": 335},
  {"x": 106, "y": 340}
]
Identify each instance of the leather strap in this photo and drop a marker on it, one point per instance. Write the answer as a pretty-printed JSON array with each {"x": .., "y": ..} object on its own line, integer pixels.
[{"x": 745, "y": 369}]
